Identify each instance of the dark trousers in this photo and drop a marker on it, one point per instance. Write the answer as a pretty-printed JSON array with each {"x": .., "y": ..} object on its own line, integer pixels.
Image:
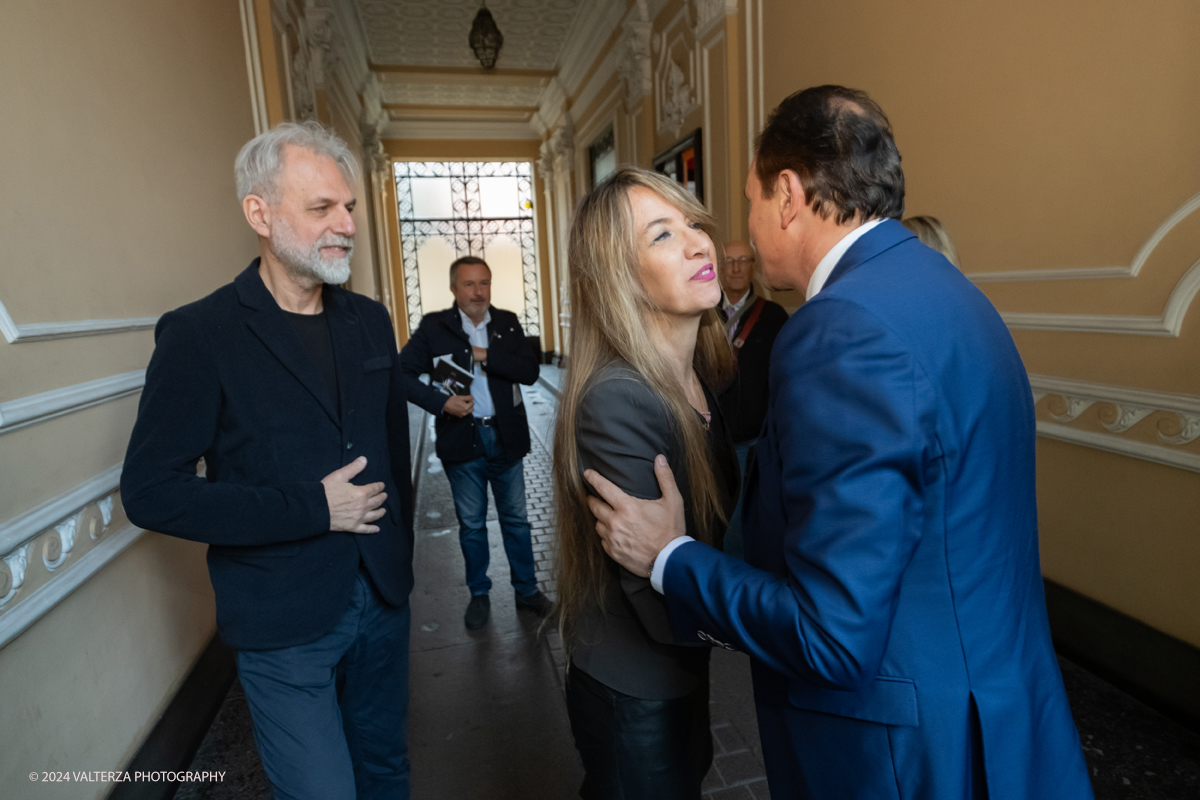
[
  {"x": 331, "y": 717},
  {"x": 468, "y": 484},
  {"x": 734, "y": 544},
  {"x": 635, "y": 749}
]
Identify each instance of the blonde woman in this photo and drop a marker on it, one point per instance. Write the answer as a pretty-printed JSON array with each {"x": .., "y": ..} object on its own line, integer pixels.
[
  {"x": 647, "y": 349},
  {"x": 932, "y": 233}
]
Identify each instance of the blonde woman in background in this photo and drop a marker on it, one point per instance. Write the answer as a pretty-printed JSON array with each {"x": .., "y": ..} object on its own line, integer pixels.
[
  {"x": 932, "y": 233},
  {"x": 647, "y": 351}
]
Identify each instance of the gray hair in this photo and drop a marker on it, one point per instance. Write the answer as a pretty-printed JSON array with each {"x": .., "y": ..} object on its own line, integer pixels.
[
  {"x": 458, "y": 262},
  {"x": 261, "y": 159}
]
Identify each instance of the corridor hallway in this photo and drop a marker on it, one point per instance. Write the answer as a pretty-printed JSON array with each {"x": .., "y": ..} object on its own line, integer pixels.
[{"x": 487, "y": 719}]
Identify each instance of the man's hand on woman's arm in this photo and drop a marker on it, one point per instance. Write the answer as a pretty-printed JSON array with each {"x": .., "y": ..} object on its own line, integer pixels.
[{"x": 635, "y": 531}]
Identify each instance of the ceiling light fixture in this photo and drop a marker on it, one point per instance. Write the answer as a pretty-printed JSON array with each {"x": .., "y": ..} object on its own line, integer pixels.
[{"x": 485, "y": 39}]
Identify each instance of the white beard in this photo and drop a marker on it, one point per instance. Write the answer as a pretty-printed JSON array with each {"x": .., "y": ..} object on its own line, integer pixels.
[{"x": 307, "y": 263}]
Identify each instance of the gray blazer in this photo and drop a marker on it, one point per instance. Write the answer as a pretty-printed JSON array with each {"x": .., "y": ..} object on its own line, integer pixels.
[{"x": 629, "y": 646}]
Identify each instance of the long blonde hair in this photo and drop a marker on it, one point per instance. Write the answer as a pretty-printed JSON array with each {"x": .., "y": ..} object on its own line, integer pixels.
[{"x": 609, "y": 321}]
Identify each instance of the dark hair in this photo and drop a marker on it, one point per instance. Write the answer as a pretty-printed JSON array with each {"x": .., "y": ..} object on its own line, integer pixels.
[
  {"x": 840, "y": 143},
  {"x": 458, "y": 262}
]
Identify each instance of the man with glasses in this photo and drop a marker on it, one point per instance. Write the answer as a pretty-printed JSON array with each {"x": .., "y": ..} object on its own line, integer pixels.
[{"x": 752, "y": 323}]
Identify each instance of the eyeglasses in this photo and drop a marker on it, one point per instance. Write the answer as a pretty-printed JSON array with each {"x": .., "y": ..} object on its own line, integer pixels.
[{"x": 741, "y": 261}]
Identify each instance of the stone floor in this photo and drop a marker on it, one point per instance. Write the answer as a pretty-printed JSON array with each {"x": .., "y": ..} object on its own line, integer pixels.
[{"x": 487, "y": 718}]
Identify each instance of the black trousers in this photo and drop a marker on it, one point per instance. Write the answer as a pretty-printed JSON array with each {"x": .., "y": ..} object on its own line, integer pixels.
[{"x": 635, "y": 749}]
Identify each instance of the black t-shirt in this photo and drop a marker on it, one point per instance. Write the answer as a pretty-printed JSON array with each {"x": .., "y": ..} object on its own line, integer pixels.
[{"x": 314, "y": 332}]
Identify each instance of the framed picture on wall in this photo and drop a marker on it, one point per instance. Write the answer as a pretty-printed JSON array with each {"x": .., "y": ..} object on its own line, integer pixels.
[
  {"x": 602, "y": 156},
  {"x": 681, "y": 162}
]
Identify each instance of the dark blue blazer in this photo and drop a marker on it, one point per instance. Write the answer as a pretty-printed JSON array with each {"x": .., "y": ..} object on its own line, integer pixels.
[
  {"x": 231, "y": 382},
  {"x": 510, "y": 361},
  {"x": 892, "y": 600}
]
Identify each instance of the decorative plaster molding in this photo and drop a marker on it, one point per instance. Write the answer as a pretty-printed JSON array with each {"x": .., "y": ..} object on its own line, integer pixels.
[
  {"x": 30, "y": 609},
  {"x": 1131, "y": 271},
  {"x": 710, "y": 12},
  {"x": 25, "y": 526},
  {"x": 1168, "y": 323},
  {"x": 54, "y": 530},
  {"x": 1120, "y": 445},
  {"x": 451, "y": 129},
  {"x": 35, "y": 408},
  {"x": 258, "y": 102},
  {"x": 593, "y": 24},
  {"x": 43, "y": 331},
  {"x": 634, "y": 61},
  {"x": 1127, "y": 406}
]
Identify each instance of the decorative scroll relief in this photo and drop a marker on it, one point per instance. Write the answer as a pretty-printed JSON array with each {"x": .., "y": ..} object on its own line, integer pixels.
[
  {"x": 50, "y": 550},
  {"x": 1121, "y": 408}
]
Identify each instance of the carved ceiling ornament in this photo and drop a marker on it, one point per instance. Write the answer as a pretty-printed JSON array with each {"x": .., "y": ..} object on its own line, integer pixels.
[
  {"x": 676, "y": 70},
  {"x": 545, "y": 162},
  {"x": 634, "y": 62},
  {"x": 320, "y": 43},
  {"x": 563, "y": 144},
  {"x": 678, "y": 99},
  {"x": 707, "y": 12}
]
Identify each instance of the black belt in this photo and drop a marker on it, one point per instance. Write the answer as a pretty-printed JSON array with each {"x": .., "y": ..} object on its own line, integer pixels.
[{"x": 487, "y": 422}]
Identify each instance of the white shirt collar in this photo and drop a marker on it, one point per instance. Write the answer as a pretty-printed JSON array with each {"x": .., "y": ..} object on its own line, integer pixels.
[
  {"x": 732, "y": 308},
  {"x": 469, "y": 326},
  {"x": 825, "y": 268}
]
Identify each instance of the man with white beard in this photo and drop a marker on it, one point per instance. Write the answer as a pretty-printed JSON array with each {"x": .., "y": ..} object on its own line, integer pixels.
[{"x": 289, "y": 388}]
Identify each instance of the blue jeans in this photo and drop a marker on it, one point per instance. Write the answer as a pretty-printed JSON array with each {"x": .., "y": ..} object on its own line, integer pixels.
[
  {"x": 468, "y": 484},
  {"x": 331, "y": 717},
  {"x": 734, "y": 544}
]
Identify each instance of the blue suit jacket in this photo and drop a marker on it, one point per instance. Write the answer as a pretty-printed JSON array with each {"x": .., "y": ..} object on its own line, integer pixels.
[
  {"x": 231, "y": 381},
  {"x": 892, "y": 599}
]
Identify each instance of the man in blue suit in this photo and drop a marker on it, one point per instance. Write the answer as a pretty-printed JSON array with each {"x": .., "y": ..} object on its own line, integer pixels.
[{"x": 891, "y": 598}]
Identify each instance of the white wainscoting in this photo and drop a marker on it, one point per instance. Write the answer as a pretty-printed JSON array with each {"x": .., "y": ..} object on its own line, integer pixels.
[{"x": 36, "y": 408}]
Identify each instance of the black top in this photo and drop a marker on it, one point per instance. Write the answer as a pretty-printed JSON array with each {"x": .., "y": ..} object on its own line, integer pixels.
[
  {"x": 622, "y": 425},
  {"x": 314, "y": 332},
  {"x": 230, "y": 381},
  {"x": 744, "y": 401},
  {"x": 510, "y": 361}
]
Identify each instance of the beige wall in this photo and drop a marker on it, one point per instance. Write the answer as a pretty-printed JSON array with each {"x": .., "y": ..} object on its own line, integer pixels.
[
  {"x": 1050, "y": 135},
  {"x": 121, "y": 121}
]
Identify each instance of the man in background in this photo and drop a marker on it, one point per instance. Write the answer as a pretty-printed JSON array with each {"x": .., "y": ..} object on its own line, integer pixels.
[
  {"x": 751, "y": 323},
  {"x": 481, "y": 436},
  {"x": 289, "y": 388}
]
